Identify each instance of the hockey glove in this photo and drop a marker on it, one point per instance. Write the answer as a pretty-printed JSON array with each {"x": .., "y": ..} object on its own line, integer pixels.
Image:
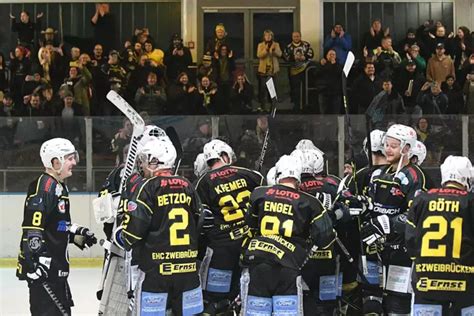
[
  {"x": 208, "y": 220},
  {"x": 375, "y": 229},
  {"x": 40, "y": 271},
  {"x": 325, "y": 199},
  {"x": 340, "y": 213},
  {"x": 367, "y": 205},
  {"x": 83, "y": 237}
]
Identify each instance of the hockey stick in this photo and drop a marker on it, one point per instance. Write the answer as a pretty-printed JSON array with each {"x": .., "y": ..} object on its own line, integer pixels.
[
  {"x": 345, "y": 73},
  {"x": 107, "y": 280},
  {"x": 54, "y": 298},
  {"x": 271, "y": 89},
  {"x": 171, "y": 132}
]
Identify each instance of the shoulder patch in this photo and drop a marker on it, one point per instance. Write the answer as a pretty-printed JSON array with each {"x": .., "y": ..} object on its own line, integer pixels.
[{"x": 48, "y": 184}]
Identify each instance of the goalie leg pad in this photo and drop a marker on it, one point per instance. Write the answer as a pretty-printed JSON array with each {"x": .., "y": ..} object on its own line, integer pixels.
[
  {"x": 244, "y": 288},
  {"x": 193, "y": 302},
  {"x": 258, "y": 306},
  {"x": 219, "y": 281}
]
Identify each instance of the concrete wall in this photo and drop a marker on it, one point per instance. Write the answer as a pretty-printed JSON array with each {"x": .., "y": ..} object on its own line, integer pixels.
[{"x": 11, "y": 216}]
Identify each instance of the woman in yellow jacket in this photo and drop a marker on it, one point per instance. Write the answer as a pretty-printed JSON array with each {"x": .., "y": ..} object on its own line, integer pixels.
[
  {"x": 268, "y": 52},
  {"x": 155, "y": 55}
]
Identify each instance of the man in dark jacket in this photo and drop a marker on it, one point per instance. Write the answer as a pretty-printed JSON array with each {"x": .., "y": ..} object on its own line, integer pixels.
[
  {"x": 177, "y": 58},
  {"x": 25, "y": 28},
  {"x": 328, "y": 77},
  {"x": 364, "y": 89},
  {"x": 432, "y": 101},
  {"x": 387, "y": 102},
  {"x": 408, "y": 83}
]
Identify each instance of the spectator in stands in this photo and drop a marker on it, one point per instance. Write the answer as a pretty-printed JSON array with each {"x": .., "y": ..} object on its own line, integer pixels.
[
  {"x": 115, "y": 73},
  {"x": 9, "y": 108},
  {"x": 75, "y": 53},
  {"x": 242, "y": 96},
  {"x": 413, "y": 54},
  {"x": 385, "y": 104},
  {"x": 440, "y": 37},
  {"x": 422, "y": 35},
  {"x": 224, "y": 66},
  {"x": 365, "y": 88},
  {"x": 182, "y": 96},
  {"x": 138, "y": 76},
  {"x": 78, "y": 82},
  {"x": 387, "y": 59},
  {"x": 213, "y": 45},
  {"x": 455, "y": 96},
  {"x": 408, "y": 83},
  {"x": 121, "y": 139},
  {"x": 299, "y": 54},
  {"x": 268, "y": 52},
  {"x": 48, "y": 37},
  {"x": 103, "y": 23},
  {"x": 20, "y": 66},
  {"x": 57, "y": 65},
  {"x": 440, "y": 66},
  {"x": 69, "y": 124},
  {"x": 33, "y": 80},
  {"x": 44, "y": 59},
  {"x": 328, "y": 81},
  {"x": 409, "y": 40},
  {"x": 205, "y": 68},
  {"x": 155, "y": 55},
  {"x": 132, "y": 54},
  {"x": 194, "y": 144},
  {"x": 50, "y": 101},
  {"x": 469, "y": 93},
  {"x": 339, "y": 41},
  {"x": 26, "y": 29},
  {"x": 177, "y": 59},
  {"x": 373, "y": 38},
  {"x": 33, "y": 106},
  {"x": 432, "y": 100},
  {"x": 98, "y": 58},
  {"x": 3, "y": 73},
  {"x": 152, "y": 97},
  {"x": 207, "y": 98},
  {"x": 463, "y": 47}
]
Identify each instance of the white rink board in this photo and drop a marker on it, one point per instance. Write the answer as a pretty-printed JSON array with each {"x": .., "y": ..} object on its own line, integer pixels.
[
  {"x": 83, "y": 281},
  {"x": 11, "y": 216}
]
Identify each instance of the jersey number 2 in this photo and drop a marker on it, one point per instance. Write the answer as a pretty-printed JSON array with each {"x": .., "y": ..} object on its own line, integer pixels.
[
  {"x": 442, "y": 223},
  {"x": 177, "y": 226}
]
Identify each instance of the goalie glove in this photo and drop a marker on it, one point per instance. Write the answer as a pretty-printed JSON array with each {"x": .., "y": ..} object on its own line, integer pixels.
[
  {"x": 375, "y": 230},
  {"x": 83, "y": 237},
  {"x": 325, "y": 199},
  {"x": 40, "y": 271},
  {"x": 366, "y": 204}
]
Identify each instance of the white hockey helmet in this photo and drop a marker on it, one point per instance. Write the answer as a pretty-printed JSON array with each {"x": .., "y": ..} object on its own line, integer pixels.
[
  {"x": 215, "y": 148},
  {"x": 307, "y": 144},
  {"x": 419, "y": 150},
  {"x": 288, "y": 167},
  {"x": 200, "y": 166},
  {"x": 457, "y": 169},
  {"x": 159, "y": 152},
  {"x": 313, "y": 162},
  {"x": 151, "y": 132},
  {"x": 271, "y": 176},
  {"x": 405, "y": 134},
  {"x": 376, "y": 141},
  {"x": 57, "y": 148}
]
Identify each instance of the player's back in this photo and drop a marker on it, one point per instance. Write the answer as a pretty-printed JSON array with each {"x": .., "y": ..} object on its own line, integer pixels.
[
  {"x": 226, "y": 192},
  {"x": 442, "y": 242},
  {"x": 166, "y": 212}
]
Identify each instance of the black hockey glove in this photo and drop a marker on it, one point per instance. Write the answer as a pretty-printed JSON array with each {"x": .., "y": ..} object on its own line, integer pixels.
[
  {"x": 375, "y": 230},
  {"x": 340, "y": 213},
  {"x": 83, "y": 237},
  {"x": 40, "y": 271},
  {"x": 325, "y": 199},
  {"x": 207, "y": 220}
]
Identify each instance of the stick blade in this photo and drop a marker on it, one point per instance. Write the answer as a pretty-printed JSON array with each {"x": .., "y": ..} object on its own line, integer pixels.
[{"x": 348, "y": 64}]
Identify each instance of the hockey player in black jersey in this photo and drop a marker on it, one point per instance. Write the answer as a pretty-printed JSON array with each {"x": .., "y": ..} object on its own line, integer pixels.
[
  {"x": 286, "y": 223},
  {"x": 225, "y": 192},
  {"x": 440, "y": 239},
  {"x": 417, "y": 156},
  {"x": 163, "y": 219},
  {"x": 47, "y": 231},
  {"x": 391, "y": 189}
]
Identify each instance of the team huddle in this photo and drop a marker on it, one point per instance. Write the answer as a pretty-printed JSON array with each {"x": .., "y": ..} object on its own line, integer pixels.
[{"x": 381, "y": 241}]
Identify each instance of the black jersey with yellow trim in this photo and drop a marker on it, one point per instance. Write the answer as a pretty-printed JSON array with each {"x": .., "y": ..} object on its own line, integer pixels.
[
  {"x": 440, "y": 239},
  {"x": 225, "y": 191},
  {"x": 286, "y": 223},
  {"x": 45, "y": 227},
  {"x": 313, "y": 184},
  {"x": 162, "y": 220}
]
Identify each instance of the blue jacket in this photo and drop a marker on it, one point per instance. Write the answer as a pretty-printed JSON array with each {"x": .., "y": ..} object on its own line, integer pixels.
[{"x": 341, "y": 45}]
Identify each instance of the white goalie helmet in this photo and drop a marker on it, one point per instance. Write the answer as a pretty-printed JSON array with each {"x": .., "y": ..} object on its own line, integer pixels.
[
  {"x": 271, "y": 176},
  {"x": 376, "y": 141},
  {"x": 307, "y": 144},
  {"x": 288, "y": 167},
  {"x": 159, "y": 152},
  {"x": 457, "y": 169},
  {"x": 313, "y": 162},
  {"x": 215, "y": 148},
  {"x": 419, "y": 150},
  {"x": 151, "y": 132},
  {"x": 405, "y": 134},
  {"x": 200, "y": 166},
  {"x": 57, "y": 148}
]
